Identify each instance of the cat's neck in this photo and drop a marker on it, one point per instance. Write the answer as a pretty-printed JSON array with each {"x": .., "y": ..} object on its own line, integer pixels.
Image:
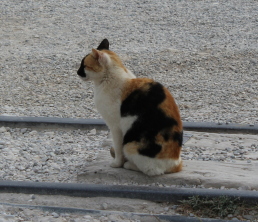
[{"x": 114, "y": 77}]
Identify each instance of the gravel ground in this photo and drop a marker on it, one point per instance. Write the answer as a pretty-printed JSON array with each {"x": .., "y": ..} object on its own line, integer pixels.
[
  {"x": 13, "y": 214},
  {"x": 205, "y": 52},
  {"x": 59, "y": 155},
  {"x": 47, "y": 155},
  {"x": 113, "y": 207}
]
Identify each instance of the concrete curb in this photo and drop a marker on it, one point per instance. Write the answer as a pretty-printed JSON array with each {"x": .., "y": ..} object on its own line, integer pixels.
[
  {"x": 119, "y": 191},
  {"x": 14, "y": 121}
]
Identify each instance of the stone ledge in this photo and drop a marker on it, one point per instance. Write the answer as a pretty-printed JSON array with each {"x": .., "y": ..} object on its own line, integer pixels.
[{"x": 206, "y": 173}]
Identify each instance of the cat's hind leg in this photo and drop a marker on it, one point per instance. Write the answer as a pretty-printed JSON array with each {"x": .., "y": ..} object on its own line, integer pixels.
[
  {"x": 130, "y": 166},
  {"x": 141, "y": 163},
  {"x": 151, "y": 166}
]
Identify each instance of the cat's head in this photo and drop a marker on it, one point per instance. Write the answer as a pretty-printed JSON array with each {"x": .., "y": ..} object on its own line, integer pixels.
[{"x": 95, "y": 65}]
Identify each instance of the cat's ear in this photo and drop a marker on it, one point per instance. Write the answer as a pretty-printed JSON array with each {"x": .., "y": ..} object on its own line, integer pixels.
[
  {"x": 103, "y": 45},
  {"x": 102, "y": 57},
  {"x": 95, "y": 53}
]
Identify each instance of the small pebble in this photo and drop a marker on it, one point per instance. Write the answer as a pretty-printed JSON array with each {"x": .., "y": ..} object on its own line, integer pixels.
[
  {"x": 24, "y": 130},
  {"x": 88, "y": 217},
  {"x": 166, "y": 209},
  {"x": 93, "y": 132},
  {"x": 55, "y": 215},
  {"x": 2, "y": 142},
  {"x": 2, "y": 129},
  {"x": 104, "y": 206}
]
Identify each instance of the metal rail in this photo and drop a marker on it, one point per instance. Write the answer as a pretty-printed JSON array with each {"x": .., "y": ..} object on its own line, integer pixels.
[
  {"x": 13, "y": 121},
  {"x": 156, "y": 194}
]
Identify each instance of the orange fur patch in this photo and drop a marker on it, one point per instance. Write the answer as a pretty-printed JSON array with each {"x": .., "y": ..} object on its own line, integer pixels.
[
  {"x": 132, "y": 148},
  {"x": 134, "y": 84},
  {"x": 92, "y": 64},
  {"x": 170, "y": 149}
]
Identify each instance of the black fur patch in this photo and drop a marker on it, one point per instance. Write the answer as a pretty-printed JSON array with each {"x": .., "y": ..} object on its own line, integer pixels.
[
  {"x": 166, "y": 135},
  {"x": 103, "y": 45},
  {"x": 178, "y": 136},
  {"x": 151, "y": 120},
  {"x": 81, "y": 71}
]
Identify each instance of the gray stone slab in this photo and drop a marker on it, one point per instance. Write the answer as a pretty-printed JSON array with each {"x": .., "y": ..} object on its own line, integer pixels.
[{"x": 206, "y": 173}]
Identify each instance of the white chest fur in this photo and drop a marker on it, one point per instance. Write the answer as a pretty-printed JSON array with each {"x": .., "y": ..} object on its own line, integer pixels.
[
  {"x": 108, "y": 102},
  {"x": 107, "y": 96}
]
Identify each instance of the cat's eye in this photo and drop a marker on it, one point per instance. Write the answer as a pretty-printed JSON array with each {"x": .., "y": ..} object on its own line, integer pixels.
[{"x": 88, "y": 67}]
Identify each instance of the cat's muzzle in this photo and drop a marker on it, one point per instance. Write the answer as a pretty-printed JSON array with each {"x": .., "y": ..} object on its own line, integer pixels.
[{"x": 81, "y": 72}]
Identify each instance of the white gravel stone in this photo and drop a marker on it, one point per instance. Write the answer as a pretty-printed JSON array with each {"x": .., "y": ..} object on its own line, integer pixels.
[
  {"x": 93, "y": 132},
  {"x": 55, "y": 215},
  {"x": 2, "y": 142},
  {"x": 104, "y": 206},
  {"x": 24, "y": 130},
  {"x": 2, "y": 129}
]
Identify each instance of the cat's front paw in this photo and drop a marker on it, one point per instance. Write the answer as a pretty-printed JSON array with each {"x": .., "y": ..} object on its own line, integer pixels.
[{"x": 117, "y": 164}]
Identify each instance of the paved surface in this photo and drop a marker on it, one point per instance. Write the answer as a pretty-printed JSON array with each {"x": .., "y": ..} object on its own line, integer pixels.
[
  {"x": 208, "y": 174},
  {"x": 215, "y": 162}
]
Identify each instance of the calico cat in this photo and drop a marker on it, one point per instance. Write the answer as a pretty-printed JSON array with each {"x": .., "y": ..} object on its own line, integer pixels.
[{"x": 141, "y": 114}]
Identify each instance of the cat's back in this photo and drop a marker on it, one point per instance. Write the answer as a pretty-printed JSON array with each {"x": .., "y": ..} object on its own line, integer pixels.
[
  {"x": 146, "y": 98},
  {"x": 156, "y": 119}
]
